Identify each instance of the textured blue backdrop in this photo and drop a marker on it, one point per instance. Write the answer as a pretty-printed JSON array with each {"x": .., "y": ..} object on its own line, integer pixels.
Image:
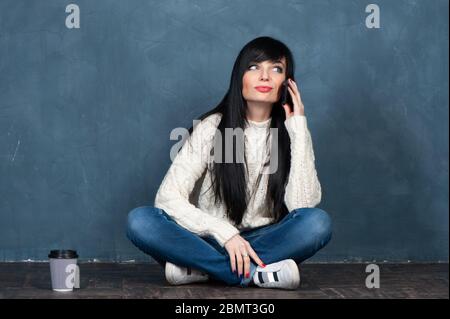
[{"x": 85, "y": 116}]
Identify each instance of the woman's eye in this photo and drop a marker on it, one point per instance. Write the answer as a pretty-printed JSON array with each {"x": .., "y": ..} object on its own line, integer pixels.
[{"x": 277, "y": 67}]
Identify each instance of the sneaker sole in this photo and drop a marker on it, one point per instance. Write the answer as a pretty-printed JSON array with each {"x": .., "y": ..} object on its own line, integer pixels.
[
  {"x": 293, "y": 266},
  {"x": 169, "y": 273}
]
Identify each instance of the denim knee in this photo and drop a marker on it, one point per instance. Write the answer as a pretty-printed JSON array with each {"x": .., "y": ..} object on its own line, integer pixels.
[
  {"x": 138, "y": 219},
  {"x": 319, "y": 223}
]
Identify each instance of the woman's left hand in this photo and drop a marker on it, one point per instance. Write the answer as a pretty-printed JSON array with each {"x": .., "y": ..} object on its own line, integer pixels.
[{"x": 299, "y": 109}]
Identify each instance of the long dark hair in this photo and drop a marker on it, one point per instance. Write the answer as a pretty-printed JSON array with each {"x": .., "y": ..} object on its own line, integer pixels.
[{"x": 228, "y": 180}]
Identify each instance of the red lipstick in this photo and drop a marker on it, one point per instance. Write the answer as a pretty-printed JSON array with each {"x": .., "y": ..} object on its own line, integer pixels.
[{"x": 263, "y": 89}]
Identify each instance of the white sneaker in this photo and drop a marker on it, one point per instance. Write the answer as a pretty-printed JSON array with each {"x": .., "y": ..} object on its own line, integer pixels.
[
  {"x": 283, "y": 274},
  {"x": 177, "y": 275}
]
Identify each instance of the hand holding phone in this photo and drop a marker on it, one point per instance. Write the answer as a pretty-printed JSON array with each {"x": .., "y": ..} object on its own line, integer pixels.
[
  {"x": 285, "y": 95},
  {"x": 294, "y": 102}
]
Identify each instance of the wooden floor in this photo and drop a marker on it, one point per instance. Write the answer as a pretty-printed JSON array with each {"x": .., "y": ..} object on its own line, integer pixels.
[{"x": 107, "y": 280}]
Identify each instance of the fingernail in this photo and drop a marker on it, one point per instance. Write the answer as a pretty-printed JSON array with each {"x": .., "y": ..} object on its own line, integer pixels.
[
  {"x": 247, "y": 275},
  {"x": 263, "y": 265}
]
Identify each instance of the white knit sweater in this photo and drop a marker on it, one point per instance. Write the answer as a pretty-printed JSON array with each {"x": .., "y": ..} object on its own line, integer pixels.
[{"x": 302, "y": 190}]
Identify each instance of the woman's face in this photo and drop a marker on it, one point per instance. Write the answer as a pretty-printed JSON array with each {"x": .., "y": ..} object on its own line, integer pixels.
[{"x": 264, "y": 74}]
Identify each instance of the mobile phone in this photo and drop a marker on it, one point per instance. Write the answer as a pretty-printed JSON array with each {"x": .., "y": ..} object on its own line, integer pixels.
[{"x": 285, "y": 95}]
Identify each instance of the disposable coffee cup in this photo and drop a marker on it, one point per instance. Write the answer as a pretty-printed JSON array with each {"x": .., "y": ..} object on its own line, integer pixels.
[{"x": 65, "y": 273}]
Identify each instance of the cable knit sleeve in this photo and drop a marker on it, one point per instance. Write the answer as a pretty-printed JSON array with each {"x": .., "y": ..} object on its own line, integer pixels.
[
  {"x": 303, "y": 188},
  {"x": 179, "y": 181}
]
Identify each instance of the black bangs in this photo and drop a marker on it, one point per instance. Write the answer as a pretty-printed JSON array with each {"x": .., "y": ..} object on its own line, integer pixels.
[{"x": 266, "y": 49}]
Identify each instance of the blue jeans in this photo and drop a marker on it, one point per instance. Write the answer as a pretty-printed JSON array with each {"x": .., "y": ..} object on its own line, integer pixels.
[{"x": 299, "y": 235}]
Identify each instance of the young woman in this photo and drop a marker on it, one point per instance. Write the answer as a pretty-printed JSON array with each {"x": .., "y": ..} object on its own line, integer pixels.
[{"x": 252, "y": 225}]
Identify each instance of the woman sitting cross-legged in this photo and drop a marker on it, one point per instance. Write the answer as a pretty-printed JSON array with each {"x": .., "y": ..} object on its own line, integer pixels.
[{"x": 256, "y": 219}]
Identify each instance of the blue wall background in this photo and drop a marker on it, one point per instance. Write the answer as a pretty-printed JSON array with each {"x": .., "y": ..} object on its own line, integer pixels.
[{"x": 85, "y": 116}]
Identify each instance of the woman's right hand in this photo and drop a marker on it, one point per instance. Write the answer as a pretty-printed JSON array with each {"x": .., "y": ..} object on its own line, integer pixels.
[{"x": 240, "y": 252}]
